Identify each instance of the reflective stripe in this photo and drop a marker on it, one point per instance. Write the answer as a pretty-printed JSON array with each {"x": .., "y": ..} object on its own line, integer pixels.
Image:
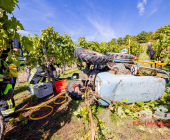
[
  {"x": 33, "y": 71},
  {"x": 1, "y": 77},
  {"x": 43, "y": 73},
  {"x": 10, "y": 101},
  {"x": 21, "y": 59},
  {"x": 9, "y": 104},
  {"x": 11, "y": 119},
  {"x": 41, "y": 79},
  {"x": 8, "y": 111}
]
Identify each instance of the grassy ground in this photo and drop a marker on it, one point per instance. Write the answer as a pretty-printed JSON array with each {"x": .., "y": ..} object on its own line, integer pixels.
[{"x": 62, "y": 124}]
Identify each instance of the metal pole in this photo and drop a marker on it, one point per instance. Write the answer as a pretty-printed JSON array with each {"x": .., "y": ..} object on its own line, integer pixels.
[{"x": 129, "y": 45}]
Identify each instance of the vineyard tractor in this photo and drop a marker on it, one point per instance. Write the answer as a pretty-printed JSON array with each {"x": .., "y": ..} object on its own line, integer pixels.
[{"x": 114, "y": 76}]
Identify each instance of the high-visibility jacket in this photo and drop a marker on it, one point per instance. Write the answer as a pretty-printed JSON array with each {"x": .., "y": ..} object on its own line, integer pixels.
[
  {"x": 6, "y": 90},
  {"x": 7, "y": 107},
  {"x": 37, "y": 75},
  {"x": 1, "y": 77}
]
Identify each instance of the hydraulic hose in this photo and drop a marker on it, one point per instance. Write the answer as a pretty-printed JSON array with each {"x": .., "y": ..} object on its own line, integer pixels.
[{"x": 43, "y": 105}]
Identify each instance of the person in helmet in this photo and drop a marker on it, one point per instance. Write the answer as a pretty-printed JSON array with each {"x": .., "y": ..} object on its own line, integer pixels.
[{"x": 7, "y": 103}]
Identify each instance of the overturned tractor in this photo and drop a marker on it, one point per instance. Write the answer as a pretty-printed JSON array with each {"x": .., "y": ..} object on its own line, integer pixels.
[{"x": 113, "y": 76}]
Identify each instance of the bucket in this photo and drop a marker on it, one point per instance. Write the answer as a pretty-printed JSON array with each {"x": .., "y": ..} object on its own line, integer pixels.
[{"x": 61, "y": 86}]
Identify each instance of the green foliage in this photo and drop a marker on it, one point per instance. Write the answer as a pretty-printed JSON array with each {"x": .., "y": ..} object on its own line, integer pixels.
[
  {"x": 120, "y": 41},
  {"x": 82, "y": 112},
  {"x": 135, "y": 48},
  {"x": 8, "y": 5},
  {"x": 122, "y": 110},
  {"x": 111, "y": 46},
  {"x": 24, "y": 122},
  {"x": 59, "y": 47},
  {"x": 21, "y": 118},
  {"x": 142, "y": 37},
  {"x": 8, "y": 31},
  {"x": 162, "y": 45},
  {"x": 12, "y": 121}
]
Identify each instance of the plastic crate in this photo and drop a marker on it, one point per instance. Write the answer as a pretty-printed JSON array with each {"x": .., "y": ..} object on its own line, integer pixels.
[{"x": 41, "y": 90}]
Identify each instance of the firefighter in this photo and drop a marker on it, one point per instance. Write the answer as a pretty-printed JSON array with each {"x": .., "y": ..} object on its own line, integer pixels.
[
  {"x": 17, "y": 47},
  {"x": 7, "y": 102}
]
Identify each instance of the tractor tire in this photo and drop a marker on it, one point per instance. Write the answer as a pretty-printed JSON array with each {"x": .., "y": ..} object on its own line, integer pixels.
[
  {"x": 73, "y": 89},
  {"x": 120, "y": 56},
  {"x": 91, "y": 57}
]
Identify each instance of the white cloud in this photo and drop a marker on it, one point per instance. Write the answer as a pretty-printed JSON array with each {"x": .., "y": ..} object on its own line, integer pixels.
[
  {"x": 102, "y": 31},
  {"x": 37, "y": 10},
  {"x": 155, "y": 6},
  {"x": 23, "y": 33},
  {"x": 145, "y": 1},
  {"x": 141, "y": 7},
  {"x": 94, "y": 29},
  {"x": 153, "y": 11}
]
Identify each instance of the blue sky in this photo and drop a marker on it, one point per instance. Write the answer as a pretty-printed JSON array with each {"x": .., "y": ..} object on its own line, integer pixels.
[{"x": 96, "y": 20}]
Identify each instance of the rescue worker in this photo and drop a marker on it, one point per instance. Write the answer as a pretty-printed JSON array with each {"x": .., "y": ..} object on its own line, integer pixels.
[
  {"x": 151, "y": 52},
  {"x": 7, "y": 102},
  {"x": 17, "y": 47}
]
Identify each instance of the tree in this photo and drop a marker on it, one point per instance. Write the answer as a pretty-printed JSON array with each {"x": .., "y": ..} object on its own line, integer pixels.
[
  {"x": 161, "y": 46},
  {"x": 57, "y": 46},
  {"x": 126, "y": 39},
  {"x": 135, "y": 48},
  {"x": 120, "y": 40},
  {"x": 142, "y": 37},
  {"x": 8, "y": 31}
]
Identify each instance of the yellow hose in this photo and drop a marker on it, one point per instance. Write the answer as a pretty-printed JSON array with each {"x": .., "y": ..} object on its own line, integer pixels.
[{"x": 43, "y": 105}]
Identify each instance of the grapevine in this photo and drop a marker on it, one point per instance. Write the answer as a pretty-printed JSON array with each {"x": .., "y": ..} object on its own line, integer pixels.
[
  {"x": 58, "y": 47},
  {"x": 8, "y": 31}
]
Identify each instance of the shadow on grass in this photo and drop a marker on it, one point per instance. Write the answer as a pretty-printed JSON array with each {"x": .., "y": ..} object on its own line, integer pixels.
[
  {"x": 46, "y": 127},
  {"x": 20, "y": 89}
]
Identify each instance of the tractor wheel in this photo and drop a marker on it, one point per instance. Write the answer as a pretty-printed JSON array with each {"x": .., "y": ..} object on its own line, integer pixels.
[
  {"x": 91, "y": 57},
  {"x": 120, "y": 56},
  {"x": 73, "y": 89}
]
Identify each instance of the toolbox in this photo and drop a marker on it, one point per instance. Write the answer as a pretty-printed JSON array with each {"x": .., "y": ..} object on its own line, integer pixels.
[{"x": 42, "y": 89}]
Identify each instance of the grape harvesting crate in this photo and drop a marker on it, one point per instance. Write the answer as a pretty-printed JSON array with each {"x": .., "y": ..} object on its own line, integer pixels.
[{"x": 42, "y": 89}]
